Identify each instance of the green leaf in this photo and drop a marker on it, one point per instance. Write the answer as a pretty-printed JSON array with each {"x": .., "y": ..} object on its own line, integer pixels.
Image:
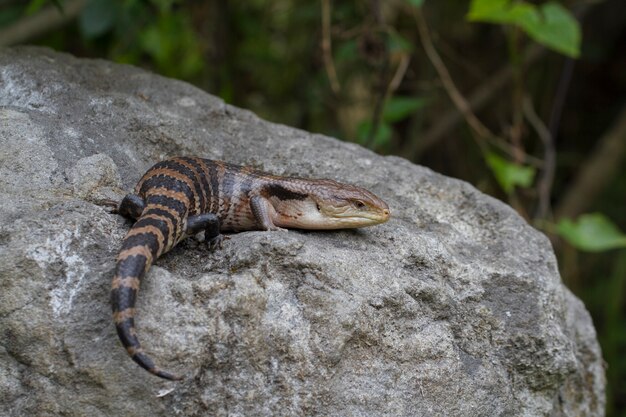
[
  {"x": 482, "y": 8},
  {"x": 415, "y": 3},
  {"x": 155, "y": 43},
  {"x": 510, "y": 175},
  {"x": 97, "y": 18},
  {"x": 382, "y": 136},
  {"x": 549, "y": 24},
  {"x": 556, "y": 28},
  {"x": 34, "y": 6},
  {"x": 592, "y": 232},
  {"x": 399, "y": 108},
  {"x": 499, "y": 11}
]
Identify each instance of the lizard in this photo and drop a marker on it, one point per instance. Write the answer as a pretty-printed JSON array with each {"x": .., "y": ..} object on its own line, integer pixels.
[{"x": 183, "y": 196}]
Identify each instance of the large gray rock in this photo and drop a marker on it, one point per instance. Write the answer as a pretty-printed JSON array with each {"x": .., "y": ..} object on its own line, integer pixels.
[{"x": 453, "y": 308}]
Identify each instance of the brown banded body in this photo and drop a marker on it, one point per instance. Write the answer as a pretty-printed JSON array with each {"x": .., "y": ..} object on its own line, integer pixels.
[{"x": 182, "y": 196}]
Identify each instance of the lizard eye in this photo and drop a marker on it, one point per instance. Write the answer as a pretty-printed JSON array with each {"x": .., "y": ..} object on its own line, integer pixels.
[
  {"x": 318, "y": 207},
  {"x": 359, "y": 204}
]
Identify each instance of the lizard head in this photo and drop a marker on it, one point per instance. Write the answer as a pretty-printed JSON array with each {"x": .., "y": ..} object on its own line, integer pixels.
[{"x": 327, "y": 204}]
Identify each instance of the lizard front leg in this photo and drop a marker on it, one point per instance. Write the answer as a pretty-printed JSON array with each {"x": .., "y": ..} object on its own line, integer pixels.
[{"x": 263, "y": 212}]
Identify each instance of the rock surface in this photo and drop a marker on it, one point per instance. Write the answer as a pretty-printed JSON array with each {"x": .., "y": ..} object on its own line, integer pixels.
[{"x": 453, "y": 308}]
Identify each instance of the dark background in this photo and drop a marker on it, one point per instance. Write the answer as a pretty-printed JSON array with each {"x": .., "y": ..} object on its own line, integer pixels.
[{"x": 357, "y": 70}]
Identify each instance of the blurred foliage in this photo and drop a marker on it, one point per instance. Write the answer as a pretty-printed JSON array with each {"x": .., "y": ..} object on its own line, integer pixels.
[
  {"x": 36, "y": 5},
  {"x": 592, "y": 232},
  {"x": 549, "y": 24},
  {"x": 396, "y": 109},
  {"x": 358, "y": 71},
  {"x": 510, "y": 175}
]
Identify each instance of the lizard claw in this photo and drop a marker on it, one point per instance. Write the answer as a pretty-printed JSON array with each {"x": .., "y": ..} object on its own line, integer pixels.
[
  {"x": 277, "y": 229},
  {"x": 216, "y": 242}
]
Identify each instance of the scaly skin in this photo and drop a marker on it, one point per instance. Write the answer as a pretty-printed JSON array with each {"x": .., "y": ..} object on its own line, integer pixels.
[{"x": 182, "y": 196}]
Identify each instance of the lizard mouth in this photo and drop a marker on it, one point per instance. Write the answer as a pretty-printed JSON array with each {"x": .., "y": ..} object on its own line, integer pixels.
[{"x": 360, "y": 219}]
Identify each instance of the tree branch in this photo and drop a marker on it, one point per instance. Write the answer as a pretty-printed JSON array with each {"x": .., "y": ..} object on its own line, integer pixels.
[
  {"x": 478, "y": 99},
  {"x": 462, "y": 105},
  {"x": 327, "y": 48},
  {"x": 36, "y": 25},
  {"x": 596, "y": 171},
  {"x": 457, "y": 98},
  {"x": 549, "y": 158}
]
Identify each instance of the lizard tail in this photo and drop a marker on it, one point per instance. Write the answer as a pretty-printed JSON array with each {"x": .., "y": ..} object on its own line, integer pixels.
[{"x": 147, "y": 240}]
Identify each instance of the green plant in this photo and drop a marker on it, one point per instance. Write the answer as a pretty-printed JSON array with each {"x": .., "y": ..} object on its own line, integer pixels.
[{"x": 549, "y": 24}]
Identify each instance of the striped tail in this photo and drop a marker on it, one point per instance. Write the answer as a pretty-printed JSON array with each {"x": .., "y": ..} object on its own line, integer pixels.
[{"x": 149, "y": 237}]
